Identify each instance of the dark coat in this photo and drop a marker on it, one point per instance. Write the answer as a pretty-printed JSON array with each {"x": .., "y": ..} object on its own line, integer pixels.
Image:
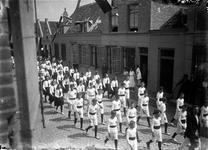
[{"x": 192, "y": 127}]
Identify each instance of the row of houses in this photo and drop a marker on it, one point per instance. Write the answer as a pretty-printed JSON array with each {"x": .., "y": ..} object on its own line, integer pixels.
[{"x": 165, "y": 40}]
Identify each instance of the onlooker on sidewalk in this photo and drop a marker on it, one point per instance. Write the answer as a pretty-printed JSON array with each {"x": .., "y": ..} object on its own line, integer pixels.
[
  {"x": 131, "y": 79},
  {"x": 192, "y": 133},
  {"x": 139, "y": 75}
]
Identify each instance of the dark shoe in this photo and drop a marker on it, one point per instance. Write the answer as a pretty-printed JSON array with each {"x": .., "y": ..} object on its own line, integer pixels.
[{"x": 148, "y": 145}]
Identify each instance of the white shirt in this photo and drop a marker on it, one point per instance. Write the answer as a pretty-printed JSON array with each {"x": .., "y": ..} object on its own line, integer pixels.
[
  {"x": 72, "y": 93},
  {"x": 141, "y": 91},
  {"x": 81, "y": 88},
  {"x": 106, "y": 81},
  {"x": 126, "y": 83},
  {"x": 58, "y": 93},
  {"x": 46, "y": 84},
  {"x": 131, "y": 133},
  {"x": 112, "y": 122},
  {"x": 79, "y": 102},
  {"x": 121, "y": 91},
  {"x": 179, "y": 103},
  {"x": 155, "y": 122},
  {"x": 91, "y": 92},
  {"x": 116, "y": 104},
  {"x": 114, "y": 83}
]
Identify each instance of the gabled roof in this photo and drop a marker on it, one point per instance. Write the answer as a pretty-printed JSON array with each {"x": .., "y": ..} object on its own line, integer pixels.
[
  {"x": 53, "y": 26},
  {"x": 161, "y": 14},
  {"x": 89, "y": 12},
  {"x": 179, "y": 20}
]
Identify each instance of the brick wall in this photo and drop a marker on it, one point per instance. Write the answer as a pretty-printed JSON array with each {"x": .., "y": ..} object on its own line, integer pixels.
[
  {"x": 7, "y": 100},
  {"x": 123, "y": 19}
]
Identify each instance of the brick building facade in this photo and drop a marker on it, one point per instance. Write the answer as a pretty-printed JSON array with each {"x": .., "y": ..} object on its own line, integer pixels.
[{"x": 165, "y": 40}]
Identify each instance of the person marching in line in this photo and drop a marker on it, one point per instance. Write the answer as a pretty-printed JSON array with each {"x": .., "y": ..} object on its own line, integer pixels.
[
  {"x": 46, "y": 88},
  {"x": 122, "y": 97},
  {"x": 72, "y": 95},
  {"x": 92, "y": 115},
  {"x": 88, "y": 75},
  {"x": 181, "y": 125},
  {"x": 72, "y": 81},
  {"x": 132, "y": 136},
  {"x": 131, "y": 114},
  {"x": 106, "y": 84},
  {"x": 79, "y": 104},
  {"x": 116, "y": 106},
  {"x": 59, "y": 98},
  {"x": 139, "y": 76},
  {"x": 141, "y": 90},
  {"x": 204, "y": 116},
  {"x": 71, "y": 71},
  {"x": 99, "y": 98},
  {"x": 76, "y": 76},
  {"x": 49, "y": 67},
  {"x": 52, "y": 92},
  {"x": 81, "y": 89},
  {"x": 60, "y": 66},
  {"x": 179, "y": 104},
  {"x": 131, "y": 79},
  {"x": 91, "y": 92},
  {"x": 127, "y": 90},
  {"x": 144, "y": 108},
  {"x": 60, "y": 76},
  {"x": 156, "y": 130},
  {"x": 54, "y": 71},
  {"x": 96, "y": 76},
  {"x": 114, "y": 87},
  {"x": 98, "y": 85},
  {"x": 162, "y": 108},
  {"x": 159, "y": 95},
  {"x": 65, "y": 85},
  {"x": 66, "y": 70},
  {"x": 112, "y": 129}
]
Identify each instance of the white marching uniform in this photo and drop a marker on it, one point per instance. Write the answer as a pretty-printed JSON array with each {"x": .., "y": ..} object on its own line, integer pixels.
[
  {"x": 181, "y": 125},
  {"x": 159, "y": 96},
  {"x": 156, "y": 129},
  {"x": 122, "y": 96},
  {"x": 88, "y": 74},
  {"x": 179, "y": 104},
  {"x": 72, "y": 95},
  {"x": 131, "y": 115},
  {"x": 204, "y": 116},
  {"x": 79, "y": 107},
  {"x": 92, "y": 115},
  {"x": 98, "y": 86},
  {"x": 112, "y": 128},
  {"x": 99, "y": 98},
  {"x": 71, "y": 71},
  {"x": 131, "y": 137},
  {"x": 140, "y": 94},
  {"x": 162, "y": 108},
  {"x": 116, "y": 106},
  {"x": 144, "y": 106},
  {"x": 76, "y": 75},
  {"x": 90, "y": 94},
  {"x": 127, "y": 88},
  {"x": 97, "y": 76}
]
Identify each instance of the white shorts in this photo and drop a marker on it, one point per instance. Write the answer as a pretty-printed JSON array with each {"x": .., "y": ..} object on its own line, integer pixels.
[
  {"x": 157, "y": 135},
  {"x": 123, "y": 101},
  {"x": 93, "y": 120},
  {"x": 133, "y": 144},
  {"x": 177, "y": 113},
  {"x": 164, "y": 118},
  {"x": 101, "y": 108},
  {"x": 118, "y": 115},
  {"x": 80, "y": 112},
  {"x": 144, "y": 111},
  {"x": 113, "y": 134},
  {"x": 127, "y": 94}
]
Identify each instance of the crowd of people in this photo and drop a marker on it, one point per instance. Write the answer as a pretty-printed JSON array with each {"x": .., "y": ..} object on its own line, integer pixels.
[{"x": 83, "y": 92}]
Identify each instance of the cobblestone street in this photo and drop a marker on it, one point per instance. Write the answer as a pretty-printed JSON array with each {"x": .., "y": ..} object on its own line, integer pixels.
[{"x": 60, "y": 132}]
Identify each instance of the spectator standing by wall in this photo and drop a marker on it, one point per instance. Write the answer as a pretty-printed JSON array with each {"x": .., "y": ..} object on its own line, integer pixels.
[
  {"x": 139, "y": 75},
  {"x": 131, "y": 79}
]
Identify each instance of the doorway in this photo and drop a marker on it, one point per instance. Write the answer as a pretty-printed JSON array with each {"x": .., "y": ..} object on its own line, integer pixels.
[
  {"x": 166, "y": 69},
  {"x": 144, "y": 64},
  {"x": 129, "y": 58}
]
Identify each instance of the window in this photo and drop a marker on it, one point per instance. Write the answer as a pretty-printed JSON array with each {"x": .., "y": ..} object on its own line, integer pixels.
[
  {"x": 63, "y": 52},
  {"x": 114, "y": 20},
  {"x": 85, "y": 55},
  {"x": 133, "y": 17},
  {"x": 56, "y": 46}
]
